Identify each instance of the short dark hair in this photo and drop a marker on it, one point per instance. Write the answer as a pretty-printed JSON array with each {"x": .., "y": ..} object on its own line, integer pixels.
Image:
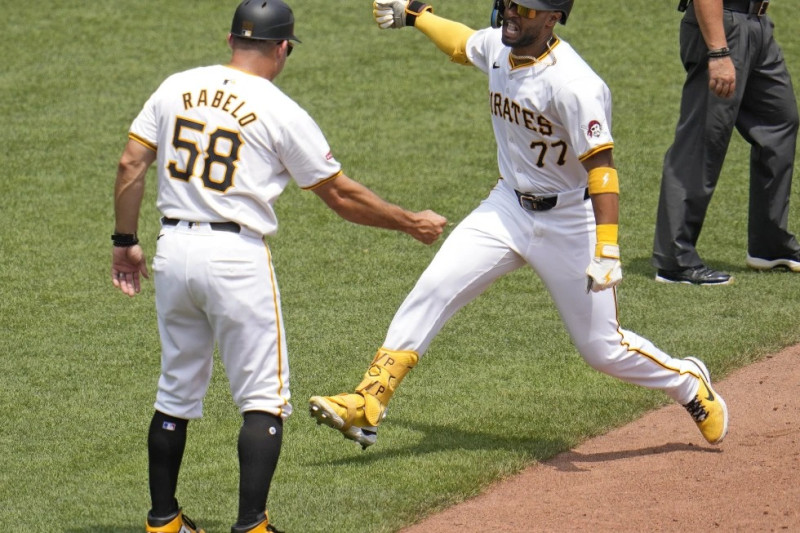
[{"x": 243, "y": 43}]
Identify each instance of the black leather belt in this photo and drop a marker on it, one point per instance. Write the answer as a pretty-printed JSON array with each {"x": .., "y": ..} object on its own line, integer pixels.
[
  {"x": 531, "y": 202},
  {"x": 232, "y": 227},
  {"x": 751, "y": 7}
]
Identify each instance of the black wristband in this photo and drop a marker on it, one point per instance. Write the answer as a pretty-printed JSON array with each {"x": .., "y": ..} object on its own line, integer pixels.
[
  {"x": 719, "y": 52},
  {"x": 415, "y": 9},
  {"x": 124, "y": 240}
]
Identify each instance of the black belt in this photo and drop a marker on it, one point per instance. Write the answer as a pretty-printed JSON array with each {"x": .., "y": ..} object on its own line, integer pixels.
[
  {"x": 752, "y": 7},
  {"x": 232, "y": 227},
  {"x": 531, "y": 202}
]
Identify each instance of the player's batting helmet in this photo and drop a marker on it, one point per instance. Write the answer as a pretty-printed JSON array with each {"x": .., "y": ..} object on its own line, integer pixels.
[
  {"x": 565, "y": 6},
  {"x": 264, "y": 20}
]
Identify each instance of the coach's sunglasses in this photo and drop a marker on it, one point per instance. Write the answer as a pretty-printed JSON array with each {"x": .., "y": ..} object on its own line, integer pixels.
[
  {"x": 289, "y": 48},
  {"x": 522, "y": 11}
]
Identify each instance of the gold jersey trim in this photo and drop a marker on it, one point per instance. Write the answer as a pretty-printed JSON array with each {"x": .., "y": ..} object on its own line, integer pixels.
[
  {"x": 596, "y": 150},
  {"x": 326, "y": 180},
  {"x": 143, "y": 141}
]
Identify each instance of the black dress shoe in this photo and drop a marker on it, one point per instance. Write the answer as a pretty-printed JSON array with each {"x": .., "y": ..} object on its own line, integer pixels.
[
  {"x": 699, "y": 275},
  {"x": 790, "y": 262}
]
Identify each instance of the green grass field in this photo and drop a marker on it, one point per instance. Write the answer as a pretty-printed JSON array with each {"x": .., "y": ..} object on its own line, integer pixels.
[{"x": 500, "y": 388}]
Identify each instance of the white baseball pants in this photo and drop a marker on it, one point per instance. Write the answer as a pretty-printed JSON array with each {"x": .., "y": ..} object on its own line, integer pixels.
[
  {"x": 218, "y": 288},
  {"x": 498, "y": 237}
]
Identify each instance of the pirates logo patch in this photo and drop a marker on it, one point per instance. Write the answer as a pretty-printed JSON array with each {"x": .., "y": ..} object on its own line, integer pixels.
[{"x": 594, "y": 129}]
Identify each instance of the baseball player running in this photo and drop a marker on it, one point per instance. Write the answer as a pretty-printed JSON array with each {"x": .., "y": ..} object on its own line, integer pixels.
[
  {"x": 226, "y": 141},
  {"x": 554, "y": 208}
]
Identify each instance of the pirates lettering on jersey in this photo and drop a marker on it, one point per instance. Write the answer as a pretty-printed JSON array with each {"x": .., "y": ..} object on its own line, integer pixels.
[
  {"x": 513, "y": 112},
  {"x": 227, "y": 102}
]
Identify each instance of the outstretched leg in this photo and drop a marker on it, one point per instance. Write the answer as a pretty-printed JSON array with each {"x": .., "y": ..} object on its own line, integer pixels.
[{"x": 480, "y": 250}]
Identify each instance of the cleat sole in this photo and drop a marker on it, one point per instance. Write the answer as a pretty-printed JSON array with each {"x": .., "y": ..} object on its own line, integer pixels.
[{"x": 319, "y": 410}]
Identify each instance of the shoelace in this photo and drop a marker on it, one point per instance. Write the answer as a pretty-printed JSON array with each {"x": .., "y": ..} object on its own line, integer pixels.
[
  {"x": 189, "y": 522},
  {"x": 696, "y": 410}
]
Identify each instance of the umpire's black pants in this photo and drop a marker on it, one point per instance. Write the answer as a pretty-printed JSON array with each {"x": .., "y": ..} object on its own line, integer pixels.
[{"x": 763, "y": 110}]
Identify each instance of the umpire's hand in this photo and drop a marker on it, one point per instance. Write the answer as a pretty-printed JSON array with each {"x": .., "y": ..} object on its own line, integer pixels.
[{"x": 721, "y": 76}]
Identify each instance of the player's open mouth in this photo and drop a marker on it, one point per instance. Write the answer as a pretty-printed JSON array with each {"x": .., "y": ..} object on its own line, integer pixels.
[{"x": 510, "y": 29}]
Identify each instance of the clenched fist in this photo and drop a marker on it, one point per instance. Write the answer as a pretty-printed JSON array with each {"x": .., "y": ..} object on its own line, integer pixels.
[
  {"x": 389, "y": 13},
  {"x": 428, "y": 226},
  {"x": 605, "y": 270}
]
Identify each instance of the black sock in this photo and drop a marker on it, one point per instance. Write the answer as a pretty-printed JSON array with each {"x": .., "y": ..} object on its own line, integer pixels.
[
  {"x": 166, "y": 441},
  {"x": 259, "y": 447}
]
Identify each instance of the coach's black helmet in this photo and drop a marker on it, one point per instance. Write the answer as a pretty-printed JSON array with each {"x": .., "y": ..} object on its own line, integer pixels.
[
  {"x": 264, "y": 20},
  {"x": 565, "y": 6}
]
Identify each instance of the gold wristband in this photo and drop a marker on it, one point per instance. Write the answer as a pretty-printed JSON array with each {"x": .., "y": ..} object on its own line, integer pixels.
[
  {"x": 603, "y": 180},
  {"x": 607, "y": 233}
]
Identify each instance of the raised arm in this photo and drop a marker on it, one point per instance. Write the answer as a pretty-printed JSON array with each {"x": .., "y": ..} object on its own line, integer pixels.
[{"x": 449, "y": 36}]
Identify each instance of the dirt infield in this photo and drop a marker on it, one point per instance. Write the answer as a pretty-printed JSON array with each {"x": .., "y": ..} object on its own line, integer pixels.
[{"x": 658, "y": 474}]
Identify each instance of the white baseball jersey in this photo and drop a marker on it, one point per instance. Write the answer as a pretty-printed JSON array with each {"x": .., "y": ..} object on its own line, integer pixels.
[
  {"x": 546, "y": 117},
  {"x": 228, "y": 142}
]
